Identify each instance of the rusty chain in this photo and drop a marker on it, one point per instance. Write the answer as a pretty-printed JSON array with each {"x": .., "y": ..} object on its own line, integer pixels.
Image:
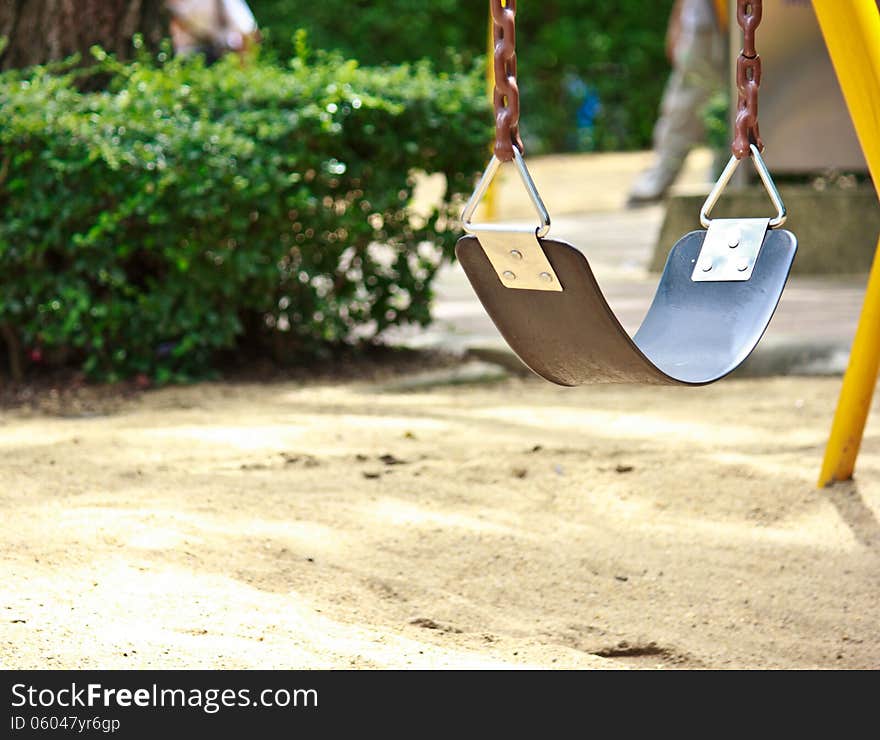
[
  {"x": 748, "y": 80},
  {"x": 506, "y": 96}
]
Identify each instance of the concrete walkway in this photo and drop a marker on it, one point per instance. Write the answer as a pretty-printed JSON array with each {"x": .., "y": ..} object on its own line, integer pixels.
[{"x": 810, "y": 333}]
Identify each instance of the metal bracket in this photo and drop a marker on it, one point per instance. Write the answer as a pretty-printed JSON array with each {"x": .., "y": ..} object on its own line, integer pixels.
[
  {"x": 515, "y": 253},
  {"x": 766, "y": 178},
  {"x": 730, "y": 249},
  {"x": 483, "y": 185},
  {"x": 519, "y": 260}
]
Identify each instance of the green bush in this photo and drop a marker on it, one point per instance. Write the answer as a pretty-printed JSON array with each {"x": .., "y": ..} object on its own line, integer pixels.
[
  {"x": 716, "y": 119},
  {"x": 591, "y": 72},
  {"x": 184, "y": 210}
]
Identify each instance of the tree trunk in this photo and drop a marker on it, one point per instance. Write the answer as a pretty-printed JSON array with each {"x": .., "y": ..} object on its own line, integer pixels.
[{"x": 38, "y": 31}]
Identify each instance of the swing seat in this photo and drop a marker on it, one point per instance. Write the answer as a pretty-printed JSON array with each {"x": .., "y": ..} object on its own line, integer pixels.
[
  {"x": 717, "y": 294},
  {"x": 693, "y": 334}
]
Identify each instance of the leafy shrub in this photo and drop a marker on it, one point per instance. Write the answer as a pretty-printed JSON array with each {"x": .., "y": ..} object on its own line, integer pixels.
[
  {"x": 716, "y": 118},
  {"x": 183, "y": 210},
  {"x": 591, "y": 72}
]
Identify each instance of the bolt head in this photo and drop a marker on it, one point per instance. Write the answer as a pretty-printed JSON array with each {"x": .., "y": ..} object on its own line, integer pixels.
[
  {"x": 742, "y": 265},
  {"x": 516, "y": 254},
  {"x": 733, "y": 238},
  {"x": 508, "y": 275},
  {"x": 706, "y": 264},
  {"x": 546, "y": 277}
]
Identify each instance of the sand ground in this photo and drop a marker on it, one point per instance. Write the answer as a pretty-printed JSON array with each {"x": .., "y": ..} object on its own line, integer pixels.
[{"x": 396, "y": 524}]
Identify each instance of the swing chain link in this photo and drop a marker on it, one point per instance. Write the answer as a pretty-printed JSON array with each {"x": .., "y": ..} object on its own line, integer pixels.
[
  {"x": 506, "y": 94},
  {"x": 748, "y": 80}
]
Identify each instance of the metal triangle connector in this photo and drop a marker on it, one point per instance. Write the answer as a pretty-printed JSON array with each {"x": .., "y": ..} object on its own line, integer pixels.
[
  {"x": 769, "y": 186},
  {"x": 483, "y": 185}
]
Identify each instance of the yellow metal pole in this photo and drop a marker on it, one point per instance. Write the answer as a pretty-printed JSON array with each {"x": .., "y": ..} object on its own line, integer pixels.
[
  {"x": 721, "y": 14},
  {"x": 490, "y": 200},
  {"x": 852, "y": 35},
  {"x": 490, "y": 59},
  {"x": 857, "y": 391}
]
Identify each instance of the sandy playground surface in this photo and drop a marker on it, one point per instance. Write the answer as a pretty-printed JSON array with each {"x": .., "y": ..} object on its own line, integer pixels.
[{"x": 386, "y": 524}]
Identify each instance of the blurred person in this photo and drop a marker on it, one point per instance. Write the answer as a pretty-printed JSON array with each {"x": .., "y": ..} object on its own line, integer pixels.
[
  {"x": 696, "y": 47},
  {"x": 212, "y": 27}
]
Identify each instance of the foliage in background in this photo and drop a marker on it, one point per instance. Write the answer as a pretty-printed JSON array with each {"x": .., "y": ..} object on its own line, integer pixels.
[
  {"x": 186, "y": 210},
  {"x": 716, "y": 119},
  {"x": 591, "y": 72}
]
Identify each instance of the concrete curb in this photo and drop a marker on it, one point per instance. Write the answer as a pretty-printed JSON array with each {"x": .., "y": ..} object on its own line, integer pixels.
[
  {"x": 775, "y": 357},
  {"x": 471, "y": 371}
]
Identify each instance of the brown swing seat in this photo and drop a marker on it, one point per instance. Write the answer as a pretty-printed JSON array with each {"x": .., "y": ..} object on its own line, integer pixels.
[
  {"x": 717, "y": 294},
  {"x": 693, "y": 334}
]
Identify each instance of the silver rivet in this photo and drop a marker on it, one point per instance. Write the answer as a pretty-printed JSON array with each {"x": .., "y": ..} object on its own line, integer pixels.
[
  {"x": 706, "y": 265},
  {"x": 733, "y": 238},
  {"x": 742, "y": 265},
  {"x": 546, "y": 277},
  {"x": 508, "y": 275},
  {"x": 516, "y": 254}
]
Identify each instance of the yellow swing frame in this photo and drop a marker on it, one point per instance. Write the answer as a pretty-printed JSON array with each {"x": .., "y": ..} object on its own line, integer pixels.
[{"x": 851, "y": 29}]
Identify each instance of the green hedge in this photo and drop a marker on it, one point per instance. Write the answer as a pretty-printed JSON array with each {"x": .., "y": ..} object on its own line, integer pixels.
[
  {"x": 591, "y": 71},
  {"x": 183, "y": 210}
]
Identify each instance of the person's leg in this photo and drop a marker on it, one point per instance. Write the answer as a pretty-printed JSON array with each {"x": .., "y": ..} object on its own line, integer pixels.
[{"x": 697, "y": 73}]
